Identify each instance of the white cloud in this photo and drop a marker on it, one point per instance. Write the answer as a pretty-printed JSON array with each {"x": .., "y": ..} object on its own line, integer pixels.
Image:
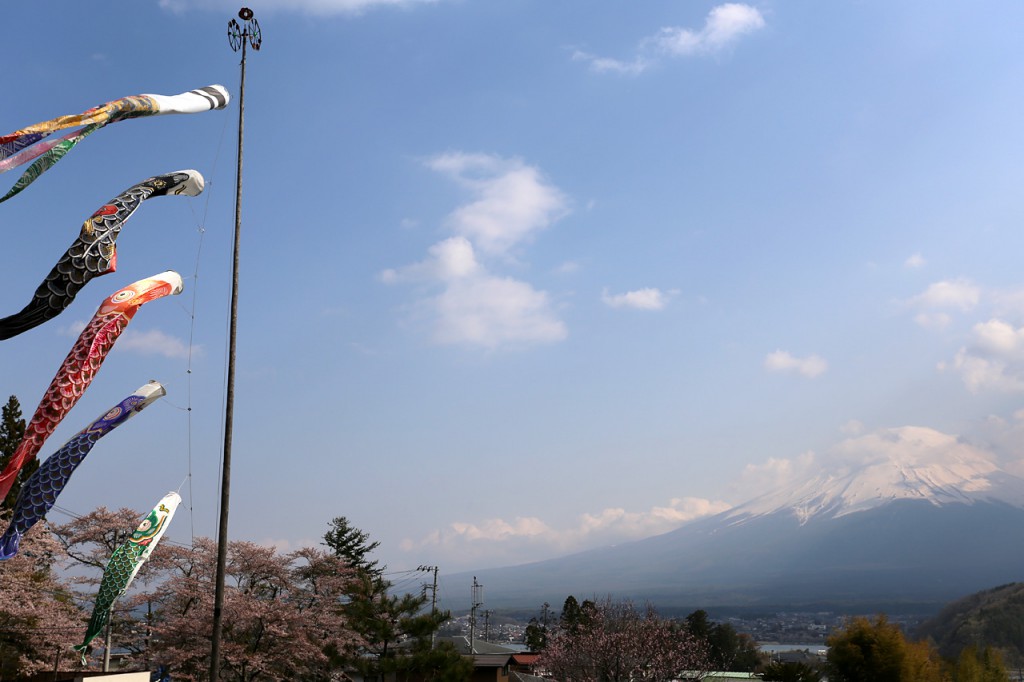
[
  {"x": 447, "y": 260},
  {"x": 463, "y": 301},
  {"x": 155, "y": 342},
  {"x": 500, "y": 541},
  {"x": 641, "y": 299},
  {"x": 782, "y": 361},
  {"x": 917, "y": 446},
  {"x": 725, "y": 25},
  {"x": 944, "y": 457},
  {"x": 513, "y": 201},
  {"x": 959, "y": 294},
  {"x": 914, "y": 262},
  {"x": 994, "y": 359},
  {"x": 494, "y": 311}
]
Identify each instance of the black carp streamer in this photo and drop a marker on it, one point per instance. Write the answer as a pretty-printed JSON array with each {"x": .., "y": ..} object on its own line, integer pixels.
[{"x": 94, "y": 252}]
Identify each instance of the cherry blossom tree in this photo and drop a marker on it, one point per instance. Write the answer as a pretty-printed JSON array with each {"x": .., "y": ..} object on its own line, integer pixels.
[
  {"x": 282, "y": 616},
  {"x": 38, "y": 618},
  {"x": 616, "y": 642},
  {"x": 283, "y": 613}
]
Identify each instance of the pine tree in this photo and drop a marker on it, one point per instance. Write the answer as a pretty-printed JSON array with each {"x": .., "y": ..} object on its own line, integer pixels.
[
  {"x": 351, "y": 544},
  {"x": 12, "y": 429},
  {"x": 383, "y": 620}
]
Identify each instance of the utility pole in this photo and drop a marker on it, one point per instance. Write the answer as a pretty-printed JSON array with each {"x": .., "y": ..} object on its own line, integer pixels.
[
  {"x": 238, "y": 36},
  {"x": 433, "y": 598},
  {"x": 433, "y": 590},
  {"x": 477, "y": 602},
  {"x": 487, "y": 625},
  {"x": 110, "y": 616}
]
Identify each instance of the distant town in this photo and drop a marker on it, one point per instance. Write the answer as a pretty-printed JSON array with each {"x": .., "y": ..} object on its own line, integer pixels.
[{"x": 790, "y": 628}]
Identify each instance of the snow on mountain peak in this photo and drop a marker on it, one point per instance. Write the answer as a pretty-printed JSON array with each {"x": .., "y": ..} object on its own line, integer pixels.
[{"x": 910, "y": 462}]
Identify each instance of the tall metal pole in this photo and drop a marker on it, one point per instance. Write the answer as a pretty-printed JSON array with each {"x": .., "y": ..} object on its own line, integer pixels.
[
  {"x": 476, "y": 602},
  {"x": 238, "y": 36}
]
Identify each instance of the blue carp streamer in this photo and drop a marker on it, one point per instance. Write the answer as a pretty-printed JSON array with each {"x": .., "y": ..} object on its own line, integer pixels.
[{"x": 40, "y": 492}]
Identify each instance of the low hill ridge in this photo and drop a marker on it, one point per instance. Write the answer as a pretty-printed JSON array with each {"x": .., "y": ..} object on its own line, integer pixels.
[{"x": 993, "y": 617}]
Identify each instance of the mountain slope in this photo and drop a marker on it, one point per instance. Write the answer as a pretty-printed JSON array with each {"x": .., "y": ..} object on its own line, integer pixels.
[
  {"x": 936, "y": 522},
  {"x": 905, "y": 551}
]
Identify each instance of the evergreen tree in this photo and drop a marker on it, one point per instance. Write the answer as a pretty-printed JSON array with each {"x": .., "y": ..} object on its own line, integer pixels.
[
  {"x": 396, "y": 636},
  {"x": 571, "y": 616},
  {"x": 351, "y": 544},
  {"x": 536, "y": 636},
  {"x": 729, "y": 650},
  {"x": 12, "y": 429}
]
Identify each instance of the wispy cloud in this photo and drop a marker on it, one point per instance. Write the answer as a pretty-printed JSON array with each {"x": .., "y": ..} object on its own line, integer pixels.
[
  {"x": 992, "y": 356},
  {"x": 993, "y": 359},
  {"x": 640, "y": 299},
  {"x": 775, "y": 472},
  {"x": 935, "y": 304},
  {"x": 914, "y": 261},
  {"x": 152, "y": 342},
  {"x": 155, "y": 342},
  {"x": 492, "y": 311},
  {"x": 957, "y": 294},
  {"x": 446, "y": 261},
  {"x": 917, "y": 446},
  {"x": 513, "y": 201},
  {"x": 568, "y": 267},
  {"x": 783, "y": 361},
  {"x": 500, "y": 540},
  {"x": 633, "y": 67},
  {"x": 853, "y": 427},
  {"x": 724, "y": 26},
  {"x": 463, "y": 300}
]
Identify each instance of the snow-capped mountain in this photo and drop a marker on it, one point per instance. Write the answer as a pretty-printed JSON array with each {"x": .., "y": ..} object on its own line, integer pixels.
[
  {"x": 909, "y": 463},
  {"x": 904, "y": 515}
]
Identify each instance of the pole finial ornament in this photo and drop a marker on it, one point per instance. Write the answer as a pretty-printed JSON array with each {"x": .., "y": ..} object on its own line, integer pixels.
[{"x": 249, "y": 30}]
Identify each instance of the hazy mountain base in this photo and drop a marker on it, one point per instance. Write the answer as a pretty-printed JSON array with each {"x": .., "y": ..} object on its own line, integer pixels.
[{"x": 902, "y": 555}]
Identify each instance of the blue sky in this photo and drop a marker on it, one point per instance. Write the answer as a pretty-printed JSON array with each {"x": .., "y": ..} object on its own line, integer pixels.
[{"x": 523, "y": 278}]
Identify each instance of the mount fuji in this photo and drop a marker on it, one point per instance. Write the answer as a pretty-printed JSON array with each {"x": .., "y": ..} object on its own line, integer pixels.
[{"x": 904, "y": 518}]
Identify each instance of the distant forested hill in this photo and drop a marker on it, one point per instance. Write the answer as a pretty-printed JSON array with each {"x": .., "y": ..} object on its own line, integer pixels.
[{"x": 992, "y": 618}]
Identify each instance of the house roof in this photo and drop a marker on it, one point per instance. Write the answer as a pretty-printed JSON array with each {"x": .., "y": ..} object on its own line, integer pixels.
[
  {"x": 491, "y": 660},
  {"x": 525, "y": 658}
]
